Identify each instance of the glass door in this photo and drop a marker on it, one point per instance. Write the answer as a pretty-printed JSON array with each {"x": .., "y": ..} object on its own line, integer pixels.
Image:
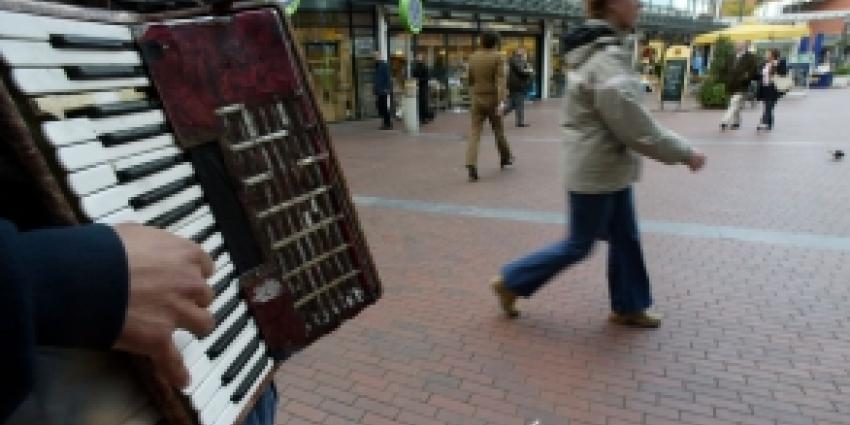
[{"x": 458, "y": 49}]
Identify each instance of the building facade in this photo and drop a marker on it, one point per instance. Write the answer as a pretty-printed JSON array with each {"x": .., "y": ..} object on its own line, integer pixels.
[{"x": 339, "y": 38}]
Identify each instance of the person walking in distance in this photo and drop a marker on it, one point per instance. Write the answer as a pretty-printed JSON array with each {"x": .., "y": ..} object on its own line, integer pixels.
[
  {"x": 768, "y": 92},
  {"x": 519, "y": 76},
  {"x": 382, "y": 89},
  {"x": 487, "y": 86},
  {"x": 606, "y": 130},
  {"x": 423, "y": 78},
  {"x": 742, "y": 72}
]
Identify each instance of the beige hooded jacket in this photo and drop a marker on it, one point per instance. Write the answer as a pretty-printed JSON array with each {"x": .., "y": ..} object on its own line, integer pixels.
[{"x": 606, "y": 128}]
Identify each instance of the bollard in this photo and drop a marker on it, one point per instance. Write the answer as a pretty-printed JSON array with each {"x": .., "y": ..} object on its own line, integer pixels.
[{"x": 410, "y": 107}]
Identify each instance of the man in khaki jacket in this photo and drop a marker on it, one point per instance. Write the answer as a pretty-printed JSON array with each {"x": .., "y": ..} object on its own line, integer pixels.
[{"x": 487, "y": 85}]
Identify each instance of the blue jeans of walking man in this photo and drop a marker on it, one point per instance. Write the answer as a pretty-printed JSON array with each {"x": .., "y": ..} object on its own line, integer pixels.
[{"x": 608, "y": 216}]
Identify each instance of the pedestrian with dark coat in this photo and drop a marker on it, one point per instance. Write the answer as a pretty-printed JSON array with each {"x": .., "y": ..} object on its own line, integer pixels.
[
  {"x": 519, "y": 77},
  {"x": 423, "y": 78},
  {"x": 382, "y": 89},
  {"x": 768, "y": 93},
  {"x": 742, "y": 71}
]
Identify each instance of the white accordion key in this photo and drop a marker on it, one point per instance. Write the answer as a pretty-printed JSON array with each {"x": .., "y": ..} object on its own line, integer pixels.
[
  {"x": 182, "y": 338},
  {"x": 196, "y": 226},
  {"x": 213, "y": 243},
  {"x": 66, "y": 132},
  {"x": 92, "y": 179},
  {"x": 104, "y": 202},
  {"x": 125, "y": 215},
  {"x": 41, "y": 54},
  {"x": 19, "y": 25},
  {"x": 191, "y": 218},
  {"x": 35, "y": 81},
  {"x": 82, "y": 155}
]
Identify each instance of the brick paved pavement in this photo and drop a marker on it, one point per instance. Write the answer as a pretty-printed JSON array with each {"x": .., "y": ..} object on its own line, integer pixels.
[{"x": 755, "y": 329}]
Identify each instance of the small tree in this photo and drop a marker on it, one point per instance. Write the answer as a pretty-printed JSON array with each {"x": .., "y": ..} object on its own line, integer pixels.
[{"x": 713, "y": 92}]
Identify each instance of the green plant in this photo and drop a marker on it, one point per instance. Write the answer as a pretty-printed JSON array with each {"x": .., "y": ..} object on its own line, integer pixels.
[
  {"x": 722, "y": 58},
  {"x": 712, "y": 94},
  {"x": 842, "y": 70}
]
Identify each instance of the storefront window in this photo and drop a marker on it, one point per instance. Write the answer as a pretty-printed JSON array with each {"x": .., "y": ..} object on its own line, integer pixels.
[
  {"x": 458, "y": 49},
  {"x": 558, "y": 79},
  {"x": 328, "y": 54}
]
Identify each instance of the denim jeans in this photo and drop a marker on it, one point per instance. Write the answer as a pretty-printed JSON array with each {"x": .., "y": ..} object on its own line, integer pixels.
[
  {"x": 263, "y": 413},
  {"x": 608, "y": 216}
]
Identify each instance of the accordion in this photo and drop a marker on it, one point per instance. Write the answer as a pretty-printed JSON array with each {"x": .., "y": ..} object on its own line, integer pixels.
[{"x": 200, "y": 121}]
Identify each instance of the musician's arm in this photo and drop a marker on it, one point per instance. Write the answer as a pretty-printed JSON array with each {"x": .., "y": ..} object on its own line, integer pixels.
[{"x": 62, "y": 287}]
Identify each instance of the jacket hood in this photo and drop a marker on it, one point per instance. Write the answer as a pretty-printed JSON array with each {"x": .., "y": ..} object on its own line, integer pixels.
[{"x": 580, "y": 43}]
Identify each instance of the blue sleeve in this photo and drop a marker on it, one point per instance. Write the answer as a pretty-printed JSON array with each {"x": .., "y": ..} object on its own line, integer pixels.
[{"x": 63, "y": 287}]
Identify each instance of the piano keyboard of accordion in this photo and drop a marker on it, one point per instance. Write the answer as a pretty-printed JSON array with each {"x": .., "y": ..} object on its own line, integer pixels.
[{"x": 291, "y": 262}]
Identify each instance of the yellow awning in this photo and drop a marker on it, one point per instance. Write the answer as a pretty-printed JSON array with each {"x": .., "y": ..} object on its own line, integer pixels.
[{"x": 754, "y": 32}]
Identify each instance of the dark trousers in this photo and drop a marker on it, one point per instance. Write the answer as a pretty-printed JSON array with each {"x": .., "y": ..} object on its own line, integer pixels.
[
  {"x": 424, "y": 104},
  {"x": 609, "y": 216},
  {"x": 382, "y": 104},
  {"x": 767, "y": 118},
  {"x": 516, "y": 101}
]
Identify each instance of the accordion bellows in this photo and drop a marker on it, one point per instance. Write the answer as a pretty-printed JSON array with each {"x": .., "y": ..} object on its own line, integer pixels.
[{"x": 202, "y": 123}]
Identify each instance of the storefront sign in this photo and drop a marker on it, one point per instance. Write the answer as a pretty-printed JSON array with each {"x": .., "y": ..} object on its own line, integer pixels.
[
  {"x": 411, "y": 14},
  {"x": 674, "y": 77},
  {"x": 290, "y": 6}
]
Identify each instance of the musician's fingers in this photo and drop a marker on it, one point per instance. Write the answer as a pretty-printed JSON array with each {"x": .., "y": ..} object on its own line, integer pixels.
[
  {"x": 195, "y": 319},
  {"x": 197, "y": 290},
  {"x": 170, "y": 364},
  {"x": 203, "y": 260}
]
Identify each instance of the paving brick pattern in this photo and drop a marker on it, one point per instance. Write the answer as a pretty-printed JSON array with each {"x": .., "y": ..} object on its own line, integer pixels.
[{"x": 754, "y": 333}]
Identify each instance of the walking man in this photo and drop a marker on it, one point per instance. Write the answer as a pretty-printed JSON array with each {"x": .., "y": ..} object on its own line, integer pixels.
[
  {"x": 382, "y": 89},
  {"x": 487, "y": 86},
  {"x": 743, "y": 70},
  {"x": 519, "y": 76},
  {"x": 423, "y": 78}
]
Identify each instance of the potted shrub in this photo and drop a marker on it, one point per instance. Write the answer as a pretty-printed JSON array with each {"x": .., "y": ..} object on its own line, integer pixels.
[{"x": 712, "y": 92}]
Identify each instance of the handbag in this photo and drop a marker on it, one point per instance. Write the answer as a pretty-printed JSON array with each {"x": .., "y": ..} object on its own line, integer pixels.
[{"x": 783, "y": 83}]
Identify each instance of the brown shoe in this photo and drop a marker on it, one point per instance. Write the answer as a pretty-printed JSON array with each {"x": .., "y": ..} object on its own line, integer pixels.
[
  {"x": 507, "y": 299},
  {"x": 637, "y": 320}
]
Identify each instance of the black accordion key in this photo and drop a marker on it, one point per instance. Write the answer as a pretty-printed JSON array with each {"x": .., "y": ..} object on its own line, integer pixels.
[
  {"x": 160, "y": 193},
  {"x": 99, "y": 72},
  {"x": 112, "y": 109},
  {"x": 148, "y": 168},
  {"x": 217, "y": 252},
  {"x": 167, "y": 219},
  {"x": 226, "y": 309},
  {"x": 250, "y": 379},
  {"x": 239, "y": 364},
  {"x": 205, "y": 233},
  {"x": 64, "y": 41},
  {"x": 222, "y": 284},
  {"x": 132, "y": 134},
  {"x": 227, "y": 337}
]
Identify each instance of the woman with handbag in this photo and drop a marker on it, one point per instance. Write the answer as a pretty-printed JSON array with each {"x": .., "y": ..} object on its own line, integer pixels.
[{"x": 773, "y": 83}]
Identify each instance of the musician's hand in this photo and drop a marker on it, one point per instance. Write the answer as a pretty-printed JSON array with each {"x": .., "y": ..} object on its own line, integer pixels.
[
  {"x": 696, "y": 161},
  {"x": 168, "y": 290}
]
